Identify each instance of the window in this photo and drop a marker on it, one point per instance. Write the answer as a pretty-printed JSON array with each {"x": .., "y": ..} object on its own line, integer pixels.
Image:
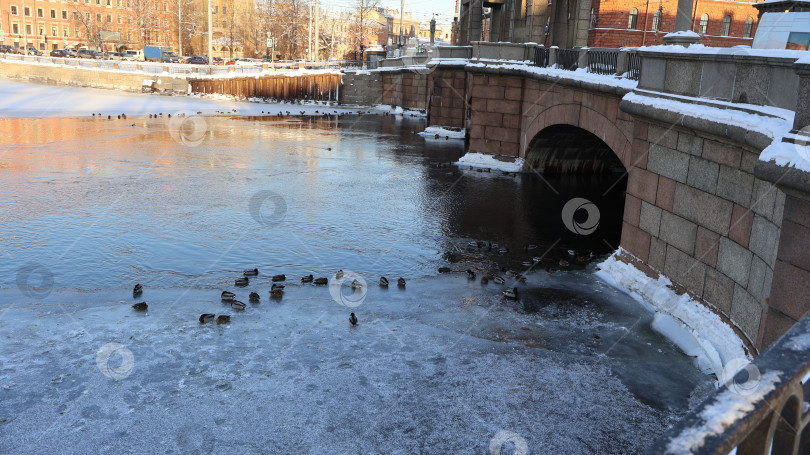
[
  {"x": 129, "y": 36},
  {"x": 798, "y": 41},
  {"x": 109, "y": 18},
  {"x": 656, "y": 20},
  {"x": 224, "y": 9},
  {"x": 118, "y": 3},
  {"x": 632, "y": 23},
  {"x": 165, "y": 6},
  {"x": 704, "y": 24},
  {"x": 165, "y": 22},
  {"x": 53, "y": 14},
  {"x": 726, "y": 25},
  {"x": 98, "y": 17},
  {"x": 87, "y": 17},
  {"x": 15, "y": 29},
  {"x": 13, "y": 10},
  {"x": 40, "y": 12},
  {"x": 28, "y": 29},
  {"x": 118, "y": 19},
  {"x": 64, "y": 14},
  {"x": 27, "y": 11},
  {"x": 65, "y": 31},
  {"x": 53, "y": 31},
  {"x": 749, "y": 24}
]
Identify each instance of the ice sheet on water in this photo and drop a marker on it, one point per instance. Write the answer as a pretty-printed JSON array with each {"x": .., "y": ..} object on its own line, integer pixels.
[{"x": 294, "y": 375}]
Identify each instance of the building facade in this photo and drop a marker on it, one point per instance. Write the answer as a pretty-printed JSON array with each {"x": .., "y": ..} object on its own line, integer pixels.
[
  {"x": 602, "y": 23},
  {"x": 96, "y": 24}
]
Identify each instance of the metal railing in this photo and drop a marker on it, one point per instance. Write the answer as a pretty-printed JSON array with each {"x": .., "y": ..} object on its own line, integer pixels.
[
  {"x": 567, "y": 59},
  {"x": 602, "y": 61},
  {"x": 542, "y": 56},
  {"x": 633, "y": 66},
  {"x": 761, "y": 409}
]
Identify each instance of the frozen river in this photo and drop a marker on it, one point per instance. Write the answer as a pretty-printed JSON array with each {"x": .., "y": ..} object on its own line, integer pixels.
[{"x": 445, "y": 365}]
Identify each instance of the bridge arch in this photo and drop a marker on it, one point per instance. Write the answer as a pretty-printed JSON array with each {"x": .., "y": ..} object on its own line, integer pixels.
[{"x": 582, "y": 117}]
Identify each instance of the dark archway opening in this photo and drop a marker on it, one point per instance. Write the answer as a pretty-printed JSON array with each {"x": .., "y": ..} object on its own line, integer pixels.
[{"x": 565, "y": 149}]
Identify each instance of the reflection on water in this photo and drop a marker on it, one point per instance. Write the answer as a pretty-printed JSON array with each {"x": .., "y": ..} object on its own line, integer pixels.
[{"x": 103, "y": 204}]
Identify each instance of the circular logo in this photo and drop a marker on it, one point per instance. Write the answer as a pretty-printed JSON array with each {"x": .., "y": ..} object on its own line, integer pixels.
[
  {"x": 35, "y": 280},
  {"x": 503, "y": 438},
  {"x": 352, "y": 281},
  {"x": 259, "y": 208},
  {"x": 107, "y": 353},
  {"x": 188, "y": 128},
  {"x": 585, "y": 227},
  {"x": 741, "y": 376}
]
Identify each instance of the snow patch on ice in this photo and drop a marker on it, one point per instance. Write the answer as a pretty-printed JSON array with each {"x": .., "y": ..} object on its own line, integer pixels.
[
  {"x": 443, "y": 132},
  {"x": 489, "y": 161},
  {"x": 728, "y": 407},
  {"x": 689, "y": 324}
]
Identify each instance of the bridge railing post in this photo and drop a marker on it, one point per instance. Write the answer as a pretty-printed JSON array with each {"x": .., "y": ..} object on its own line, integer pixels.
[
  {"x": 552, "y": 56},
  {"x": 582, "y": 60},
  {"x": 622, "y": 62}
]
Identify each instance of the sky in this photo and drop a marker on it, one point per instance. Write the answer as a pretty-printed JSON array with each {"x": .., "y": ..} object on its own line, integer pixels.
[{"x": 421, "y": 9}]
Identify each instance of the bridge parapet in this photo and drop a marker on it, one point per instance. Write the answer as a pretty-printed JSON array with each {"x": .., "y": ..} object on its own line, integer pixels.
[{"x": 760, "y": 409}]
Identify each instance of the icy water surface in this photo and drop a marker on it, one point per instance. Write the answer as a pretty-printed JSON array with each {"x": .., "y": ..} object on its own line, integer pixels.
[{"x": 91, "y": 207}]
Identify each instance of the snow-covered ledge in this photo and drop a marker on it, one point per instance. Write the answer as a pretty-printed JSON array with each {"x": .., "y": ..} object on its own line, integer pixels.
[{"x": 691, "y": 325}]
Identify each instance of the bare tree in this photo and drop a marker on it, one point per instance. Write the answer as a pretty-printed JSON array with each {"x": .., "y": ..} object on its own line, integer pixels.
[
  {"x": 364, "y": 23},
  {"x": 84, "y": 18}
]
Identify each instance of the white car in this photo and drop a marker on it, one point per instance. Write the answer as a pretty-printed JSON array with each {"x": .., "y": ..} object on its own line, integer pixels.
[{"x": 133, "y": 55}]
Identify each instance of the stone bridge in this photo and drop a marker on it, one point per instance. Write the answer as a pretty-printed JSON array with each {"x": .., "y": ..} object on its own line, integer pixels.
[{"x": 700, "y": 207}]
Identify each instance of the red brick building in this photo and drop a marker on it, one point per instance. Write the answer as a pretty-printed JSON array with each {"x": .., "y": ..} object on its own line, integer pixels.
[
  {"x": 616, "y": 23},
  {"x": 97, "y": 24}
]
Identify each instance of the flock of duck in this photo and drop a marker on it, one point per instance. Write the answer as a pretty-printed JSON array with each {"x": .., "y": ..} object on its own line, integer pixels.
[{"x": 276, "y": 292}]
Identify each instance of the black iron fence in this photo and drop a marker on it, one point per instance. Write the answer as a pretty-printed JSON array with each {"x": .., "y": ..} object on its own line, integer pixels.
[
  {"x": 542, "y": 56},
  {"x": 567, "y": 59},
  {"x": 633, "y": 66},
  {"x": 603, "y": 61}
]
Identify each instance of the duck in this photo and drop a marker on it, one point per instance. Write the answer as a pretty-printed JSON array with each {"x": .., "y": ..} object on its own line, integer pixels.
[
  {"x": 537, "y": 259},
  {"x": 206, "y": 317},
  {"x": 227, "y": 296},
  {"x": 401, "y": 282},
  {"x": 277, "y": 293},
  {"x": 321, "y": 281},
  {"x": 137, "y": 290},
  {"x": 572, "y": 253},
  {"x": 489, "y": 275},
  {"x": 470, "y": 274},
  {"x": 510, "y": 293},
  {"x": 253, "y": 272},
  {"x": 484, "y": 280},
  {"x": 279, "y": 278},
  {"x": 241, "y": 281},
  {"x": 526, "y": 263},
  {"x": 530, "y": 247},
  {"x": 339, "y": 275},
  {"x": 384, "y": 282},
  {"x": 520, "y": 278},
  {"x": 357, "y": 284},
  {"x": 498, "y": 279},
  {"x": 352, "y": 319},
  {"x": 276, "y": 286},
  {"x": 444, "y": 269},
  {"x": 254, "y": 297},
  {"x": 223, "y": 319},
  {"x": 583, "y": 259},
  {"x": 142, "y": 306},
  {"x": 237, "y": 305},
  {"x": 503, "y": 250},
  {"x": 306, "y": 279},
  {"x": 563, "y": 263}
]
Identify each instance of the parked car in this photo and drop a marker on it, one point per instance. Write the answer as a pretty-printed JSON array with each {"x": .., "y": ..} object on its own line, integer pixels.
[
  {"x": 170, "y": 57},
  {"x": 34, "y": 51},
  {"x": 6, "y": 49},
  {"x": 198, "y": 60},
  {"x": 86, "y": 53},
  {"x": 133, "y": 55},
  {"x": 70, "y": 52},
  {"x": 114, "y": 55},
  {"x": 58, "y": 53}
]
